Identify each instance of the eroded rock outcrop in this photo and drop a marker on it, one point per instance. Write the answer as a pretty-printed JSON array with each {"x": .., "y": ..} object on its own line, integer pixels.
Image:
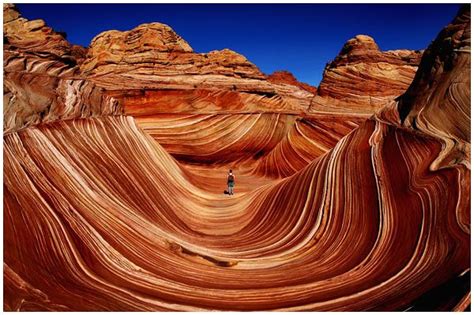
[
  {"x": 155, "y": 48},
  {"x": 286, "y": 77},
  {"x": 153, "y": 57},
  {"x": 438, "y": 100},
  {"x": 122, "y": 65},
  {"x": 363, "y": 79},
  {"x": 99, "y": 216},
  {"x": 41, "y": 79},
  {"x": 32, "y": 36}
]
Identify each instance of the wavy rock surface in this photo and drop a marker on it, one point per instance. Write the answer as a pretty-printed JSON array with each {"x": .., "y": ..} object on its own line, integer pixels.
[
  {"x": 274, "y": 145},
  {"x": 309, "y": 138},
  {"x": 100, "y": 231},
  {"x": 363, "y": 79},
  {"x": 152, "y": 56},
  {"x": 41, "y": 81},
  {"x": 126, "y": 213},
  {"x": 439, "y": 104}
]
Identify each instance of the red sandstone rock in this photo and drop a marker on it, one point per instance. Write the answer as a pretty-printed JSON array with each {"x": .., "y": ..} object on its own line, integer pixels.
[
  {"x": 363, "y": 79},
  {"x": 438, "y": 100},
  {"x": 33, "y": 36},
  {"x": 155, "y": 48},
  {"x": 79, "y": 53},
  {"x": 152, "y": 56},
  {"x": 98, "y": 216},
  {"x": 41, "y": 77},
  {"x": 286, "y": 77}
]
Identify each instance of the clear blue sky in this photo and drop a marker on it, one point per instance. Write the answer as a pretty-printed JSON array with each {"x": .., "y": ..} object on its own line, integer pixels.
[{"x": 298, "y": 38}]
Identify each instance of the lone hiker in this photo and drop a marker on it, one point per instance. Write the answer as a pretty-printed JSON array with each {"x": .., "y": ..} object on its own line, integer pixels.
[{"x": 231, "y": 182}]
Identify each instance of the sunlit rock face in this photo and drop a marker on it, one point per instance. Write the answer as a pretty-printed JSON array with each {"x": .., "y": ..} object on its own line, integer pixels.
[
  {"x": 32, "y": 36},
  {"x": 362, "y": 78},
  {"x": 153, "y": 57},
  {"x": 41, "y": 80},
  {"x": 228, "y": 104},
  {"x": 438, "y": 100},
  {"x": 286, "y": 77},
  {"x": 123, "y": 209}
]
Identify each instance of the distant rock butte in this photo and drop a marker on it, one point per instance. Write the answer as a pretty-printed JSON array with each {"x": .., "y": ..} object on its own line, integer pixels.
[
  {"x": 153, "y": 57},
  {"x": 363, "y": 79},
  {"x": 136, "y": 71},
  {"x": 157, "y": 48},
  {"x": 286, "y": 77}
]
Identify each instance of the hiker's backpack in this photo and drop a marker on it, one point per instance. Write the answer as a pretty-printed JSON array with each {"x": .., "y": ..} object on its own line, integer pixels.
[{"x": 230, "y": 178}]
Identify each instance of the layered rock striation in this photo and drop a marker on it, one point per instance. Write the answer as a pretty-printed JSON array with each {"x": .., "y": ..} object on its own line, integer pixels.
[
  {"x": 438, "y": 100},
  {"x": 41, "y": 77},
  {"x": 286, "y": 77},
  {"x": 123, "y": 210},
  {"x": 153, "y": 57},
  {"x": 363, "y": 79},
  {"x": 137, "y": 68}
]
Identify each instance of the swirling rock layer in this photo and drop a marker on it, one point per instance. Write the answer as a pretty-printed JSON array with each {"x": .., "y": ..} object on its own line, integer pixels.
[
  {"x": 113, "y": 192},
  {"x": 152, "y": 57},
  {"x": 363, "y": 79},
  {"x": 41, "y": 81},
  {"x": 440, "y": 105},
  {"x": 112, "y": 238}
]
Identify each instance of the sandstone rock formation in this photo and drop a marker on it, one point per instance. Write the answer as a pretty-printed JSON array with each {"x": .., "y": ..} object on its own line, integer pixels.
[
  {"x": 121, "y": 208},
  {"x": 287, "y": 77},
  {"x": 438, "y": 100},
  {"x": 41, "y": 81},
  {"x": 122, "y": 65},
  {"x": 153, "y": 57},
  {"x": 156, "y": 48},
  {"x": 363, "y": 79},
  {"x": 33, "y": 37},
  {"x": 136, "y": 233}
]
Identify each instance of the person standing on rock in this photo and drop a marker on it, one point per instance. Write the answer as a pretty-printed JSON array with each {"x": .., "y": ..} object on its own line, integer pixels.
[{"x": 230, "y": 182}]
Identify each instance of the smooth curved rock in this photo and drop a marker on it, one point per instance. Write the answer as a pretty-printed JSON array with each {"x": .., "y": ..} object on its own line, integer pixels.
[
  {"x": 41, "y": 80},
  {"x": 363, "y": 79},
  {"x": 438, "y": 100},
  {"x": 120, "y": 207},
  {"x": 106, "y": 237},
  {"x": 153, "y": 57}
]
